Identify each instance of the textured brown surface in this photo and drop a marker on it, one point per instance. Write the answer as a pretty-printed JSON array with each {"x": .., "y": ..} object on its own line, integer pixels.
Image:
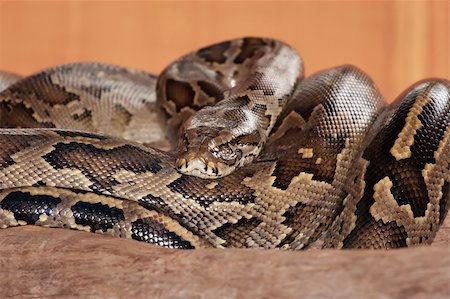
[{"x": 37, "y": 262}]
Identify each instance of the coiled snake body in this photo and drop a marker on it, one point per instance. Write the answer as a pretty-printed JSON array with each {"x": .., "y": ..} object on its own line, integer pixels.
[{"x": 272, "y": 161}]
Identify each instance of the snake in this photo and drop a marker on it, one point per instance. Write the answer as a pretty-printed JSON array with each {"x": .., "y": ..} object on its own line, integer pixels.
[{"x": 231, "y": 146}]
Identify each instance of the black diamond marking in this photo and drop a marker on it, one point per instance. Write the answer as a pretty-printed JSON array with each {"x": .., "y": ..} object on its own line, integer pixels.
[
  {"x": 27, "y": 207},
  {"x": 96, "y": 215},
  {"x": 151, "y": 231}
]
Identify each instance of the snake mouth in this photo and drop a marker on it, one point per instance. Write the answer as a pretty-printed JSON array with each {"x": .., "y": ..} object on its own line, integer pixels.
[{"x": 202, "y": 168}]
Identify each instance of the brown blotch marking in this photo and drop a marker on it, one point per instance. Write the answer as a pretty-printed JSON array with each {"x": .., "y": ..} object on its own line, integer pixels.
[
  {"x": 214, "y": 53},
  {"x": 236, "y": 234},
  {"x": 99, "y": 165},
  {"x": 211, "y": 90},
  {"x": 286, "y": 169},
  {"x": 376, "y": 235},
  {"x": 121, "y": 117},
  {"x": 96, "y": 91},
  {"x": 241, "y": 101},
  {"x": 18, "y": 115},
  {"x": 248, "y": 49},
  {"x": 181, "y": 93},
  {"x": 42, "y": 87},
  {"x": 86, "y": 114},
  {"x": 250, "y": 139}
]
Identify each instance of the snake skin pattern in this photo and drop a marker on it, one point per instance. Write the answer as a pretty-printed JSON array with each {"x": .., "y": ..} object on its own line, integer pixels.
[{"x": 262, "y": 156}]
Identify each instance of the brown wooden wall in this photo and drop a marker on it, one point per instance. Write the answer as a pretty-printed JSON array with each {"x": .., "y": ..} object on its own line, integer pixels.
[{"x": 396, "y": 42}]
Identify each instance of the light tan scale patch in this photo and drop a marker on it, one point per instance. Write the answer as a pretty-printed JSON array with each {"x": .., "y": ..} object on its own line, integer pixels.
[
  {"x": 306, "y": 153},
  {"x": 62, "y": 115},
  {"x": 111, "y": 114},
  {"x": 387, "y": 209},
  {"x": 135, "y": 186},
  {"x": 318, "y": 161},
  {"x": 28, "y": 170},
  {"x": 402, "y": 146},
  {"x": 271, "y": 203},
  {"x": 212, "y": 185},
  {"x": 6, "y": 217}
]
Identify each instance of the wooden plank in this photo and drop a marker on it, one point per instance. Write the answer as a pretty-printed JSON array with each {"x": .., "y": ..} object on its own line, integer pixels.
[{"x": 40, "y": 262}]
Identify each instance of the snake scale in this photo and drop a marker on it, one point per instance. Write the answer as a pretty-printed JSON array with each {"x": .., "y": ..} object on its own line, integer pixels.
[{"x": 262, "y": 157}]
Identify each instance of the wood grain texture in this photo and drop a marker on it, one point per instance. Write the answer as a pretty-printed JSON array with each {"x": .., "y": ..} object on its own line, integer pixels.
[
  {"x": 38, "y": 262},
  {"x": 395, "y": 42}
]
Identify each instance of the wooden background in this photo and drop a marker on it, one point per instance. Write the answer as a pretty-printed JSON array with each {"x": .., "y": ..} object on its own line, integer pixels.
[{"x": 395, "y": 42}]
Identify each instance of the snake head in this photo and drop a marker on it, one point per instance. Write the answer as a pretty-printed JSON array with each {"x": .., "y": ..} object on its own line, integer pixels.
[{"x": 215, "y": 150}]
